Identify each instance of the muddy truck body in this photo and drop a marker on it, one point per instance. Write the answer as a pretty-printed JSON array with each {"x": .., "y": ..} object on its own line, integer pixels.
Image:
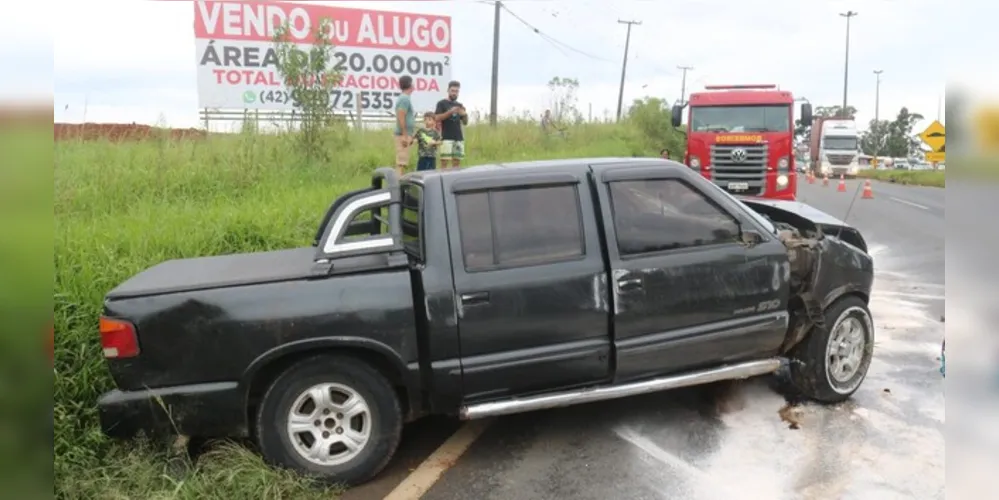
[{"x": 486, "y": 291}]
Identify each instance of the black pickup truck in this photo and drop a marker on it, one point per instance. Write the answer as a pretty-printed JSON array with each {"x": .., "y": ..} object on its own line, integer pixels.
[{"x": 486, "y": 291}]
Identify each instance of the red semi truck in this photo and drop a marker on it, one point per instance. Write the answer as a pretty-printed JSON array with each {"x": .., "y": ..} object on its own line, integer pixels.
[{"x": 741, "y": 137}]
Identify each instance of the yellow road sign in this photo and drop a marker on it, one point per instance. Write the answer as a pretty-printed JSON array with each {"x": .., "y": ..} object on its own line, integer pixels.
[
  {"x": 934, "y": 136},
  {"x": 936, "y": 157}
]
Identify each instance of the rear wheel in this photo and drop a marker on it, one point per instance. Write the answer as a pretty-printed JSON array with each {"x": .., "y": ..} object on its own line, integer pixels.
[
  {"x": 330, "y": 417},
  {"x": 832, "y": 362}
]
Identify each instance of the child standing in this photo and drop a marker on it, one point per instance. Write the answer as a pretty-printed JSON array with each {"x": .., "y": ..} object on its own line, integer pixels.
[{"x": 428, "y": 140}]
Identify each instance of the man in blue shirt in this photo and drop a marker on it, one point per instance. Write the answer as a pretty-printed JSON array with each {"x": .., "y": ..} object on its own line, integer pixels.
[{"x": 405, "y": 123}]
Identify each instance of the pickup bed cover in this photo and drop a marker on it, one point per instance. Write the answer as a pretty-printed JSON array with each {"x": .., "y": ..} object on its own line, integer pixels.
[{"x": 218, "y": 271}]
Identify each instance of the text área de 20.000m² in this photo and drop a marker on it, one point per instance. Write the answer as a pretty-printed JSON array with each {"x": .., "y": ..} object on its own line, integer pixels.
[{"x": 339, "y": 98}]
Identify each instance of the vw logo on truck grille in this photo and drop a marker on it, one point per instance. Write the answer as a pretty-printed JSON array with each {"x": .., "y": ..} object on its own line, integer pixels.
[{"x": 739, "y": 155}]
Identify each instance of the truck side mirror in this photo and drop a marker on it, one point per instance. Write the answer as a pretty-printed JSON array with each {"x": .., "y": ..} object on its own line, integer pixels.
[
  {"x": 806, "y": 113},
  {"x": 677, "y": 117}
]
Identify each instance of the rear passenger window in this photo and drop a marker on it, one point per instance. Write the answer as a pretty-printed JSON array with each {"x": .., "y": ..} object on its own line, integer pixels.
[
  {"x": 666, "y": 214},
  {"x": 412, "y": 219},
  {"x": 520, "y": 227}
]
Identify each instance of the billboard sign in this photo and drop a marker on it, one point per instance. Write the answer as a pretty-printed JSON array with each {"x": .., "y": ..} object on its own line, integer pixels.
[{"x": 237, "y": 62}]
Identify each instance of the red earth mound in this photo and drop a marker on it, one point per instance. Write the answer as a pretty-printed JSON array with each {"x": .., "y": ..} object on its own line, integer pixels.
[{"x": 120, "y": 132}]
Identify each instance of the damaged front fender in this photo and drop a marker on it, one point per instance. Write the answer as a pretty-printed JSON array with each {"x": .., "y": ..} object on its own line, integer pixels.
[{"x": 828, "y": 260}]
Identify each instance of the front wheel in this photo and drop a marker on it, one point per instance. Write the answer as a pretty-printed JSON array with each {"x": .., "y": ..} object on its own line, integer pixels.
[
  {"x": 330, "y": 417},
  {"x": 832, "y": 362}
]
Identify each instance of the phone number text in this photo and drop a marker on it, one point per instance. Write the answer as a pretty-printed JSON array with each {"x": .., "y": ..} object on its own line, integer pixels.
[{"x": 339, "y": 99}]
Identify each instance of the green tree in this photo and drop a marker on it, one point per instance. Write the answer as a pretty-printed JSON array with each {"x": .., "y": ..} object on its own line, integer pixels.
[
  {"x": 564, "y": 100},
  {"x": 310, "y": 78},
  {"x": 873, "y": 141},
  {"x": 901, "y": 141},
  {"x": 892, "y": 138},
  {"x": 650, "y": 116}
]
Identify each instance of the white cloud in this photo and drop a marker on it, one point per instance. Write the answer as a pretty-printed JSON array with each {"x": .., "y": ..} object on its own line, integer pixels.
[{"x": 128, "y": 60}]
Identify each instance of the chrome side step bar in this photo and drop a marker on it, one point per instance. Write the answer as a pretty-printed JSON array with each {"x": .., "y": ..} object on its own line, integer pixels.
[{"x": 601, "y": 393}]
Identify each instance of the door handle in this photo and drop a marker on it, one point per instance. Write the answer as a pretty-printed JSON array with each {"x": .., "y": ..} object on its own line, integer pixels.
[
  {"x": 474, "y": 298},
  {"x": 629, "y": 284}
]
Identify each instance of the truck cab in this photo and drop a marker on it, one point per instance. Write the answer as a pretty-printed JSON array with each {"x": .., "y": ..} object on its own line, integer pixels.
[
  {"x": 835, "y": 147},
  {"x": 741, "y": 138},
  {"x": 482, "y": 292}
]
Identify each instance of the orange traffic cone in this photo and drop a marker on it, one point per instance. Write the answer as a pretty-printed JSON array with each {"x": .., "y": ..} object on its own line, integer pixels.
[
  {"x": 842, "y": 184},
  {"x": 825, "y": 179},
  {"x": 811, "y": 177},
  {"x": 868, "y": 194}
]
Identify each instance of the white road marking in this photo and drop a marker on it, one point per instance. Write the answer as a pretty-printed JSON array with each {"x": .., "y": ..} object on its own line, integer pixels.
[
  {"x": 928, "y": 296},
  {"x": 906, "y": 202},
  {"x": 658, "y": 453},
  {"x": 714, "y": 488},
  {"x": 417, "y": 483}
]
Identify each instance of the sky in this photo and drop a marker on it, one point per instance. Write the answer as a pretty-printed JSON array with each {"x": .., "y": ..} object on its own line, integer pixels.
[{"x": 135, "y": 60}]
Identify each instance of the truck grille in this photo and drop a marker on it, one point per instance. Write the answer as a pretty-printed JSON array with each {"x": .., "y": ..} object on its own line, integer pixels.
[
  {"x": 751, "y": 170},
  {"x": 839, "y": 159}
]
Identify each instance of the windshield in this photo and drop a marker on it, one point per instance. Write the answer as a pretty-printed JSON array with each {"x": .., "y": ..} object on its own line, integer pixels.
[
  {"x": 840, "y": 143},
  {"x": 766, "y": 118}
]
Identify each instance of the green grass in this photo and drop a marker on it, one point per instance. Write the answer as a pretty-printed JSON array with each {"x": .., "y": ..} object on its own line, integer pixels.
[
  {"x": 120, "y": 208},
  {"x": 935, "y": 178}
]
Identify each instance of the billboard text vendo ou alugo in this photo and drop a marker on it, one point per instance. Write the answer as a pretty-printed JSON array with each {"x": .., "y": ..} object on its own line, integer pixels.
[{"x": 237, "y": 62}]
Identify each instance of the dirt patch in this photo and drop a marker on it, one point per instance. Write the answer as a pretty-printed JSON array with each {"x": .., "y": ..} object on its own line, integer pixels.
[
  {"x": 791, "y": 414},
  {"x": 118, "y": 132}
]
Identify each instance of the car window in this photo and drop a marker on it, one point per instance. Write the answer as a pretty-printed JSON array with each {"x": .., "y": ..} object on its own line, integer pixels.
[
  {"x": 765, "y": 222},
  {"x": 412, "y": 219},
  {"x": 520, "y": 227},
  {"x": 666, "y": 214}
]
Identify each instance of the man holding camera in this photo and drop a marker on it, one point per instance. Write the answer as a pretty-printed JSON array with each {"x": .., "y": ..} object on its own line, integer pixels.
[{"x": 452, "y": 115}]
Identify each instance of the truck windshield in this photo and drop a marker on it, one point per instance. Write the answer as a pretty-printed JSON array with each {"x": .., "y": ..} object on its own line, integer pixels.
[
  {"x": 840, "y": 143},
  {"x": 753, "y": 118}
]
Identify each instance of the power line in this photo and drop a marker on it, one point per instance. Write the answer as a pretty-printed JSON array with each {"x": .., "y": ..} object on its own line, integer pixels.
[{"x": 561, "y": 46}]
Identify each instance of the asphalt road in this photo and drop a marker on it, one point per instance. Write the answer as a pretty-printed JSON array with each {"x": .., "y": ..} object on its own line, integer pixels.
[{"x": 731, "y": 440}]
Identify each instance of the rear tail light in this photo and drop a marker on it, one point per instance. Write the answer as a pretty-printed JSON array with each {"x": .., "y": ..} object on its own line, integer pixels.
[{"x": 118, "y": 338}]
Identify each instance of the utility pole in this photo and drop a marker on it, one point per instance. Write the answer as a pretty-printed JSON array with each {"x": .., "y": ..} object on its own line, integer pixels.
[
  {"x": 846, "y": 65},
  {"x": 624, "y": 65},
  {"x": 877, "y": 113},
  {"x": 683, "y": 83},
  {"x": 495, "y": 82}
]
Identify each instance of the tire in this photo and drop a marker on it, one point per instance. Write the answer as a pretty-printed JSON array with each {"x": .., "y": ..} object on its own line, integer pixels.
[
  {"x": 374, "y": 429},
  {"x": 811, "y": 366}
]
